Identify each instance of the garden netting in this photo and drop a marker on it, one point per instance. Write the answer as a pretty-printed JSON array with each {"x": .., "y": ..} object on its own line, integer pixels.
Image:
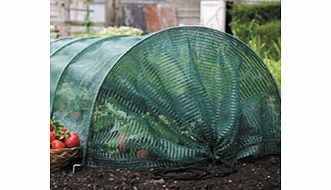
[{"x": 179, "y": 96}]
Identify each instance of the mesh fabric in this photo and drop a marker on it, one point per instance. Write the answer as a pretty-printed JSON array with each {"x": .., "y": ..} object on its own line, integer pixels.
[{"x": 179, "y": 96}]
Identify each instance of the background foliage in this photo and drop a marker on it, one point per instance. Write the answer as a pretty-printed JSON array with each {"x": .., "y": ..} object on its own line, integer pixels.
[
  {"x": 259, "y": 26},
  {"x": 110, "y": 31}
]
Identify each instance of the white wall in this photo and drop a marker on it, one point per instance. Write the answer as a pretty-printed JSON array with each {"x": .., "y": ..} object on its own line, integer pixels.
[{"x": 213, "y": 14}]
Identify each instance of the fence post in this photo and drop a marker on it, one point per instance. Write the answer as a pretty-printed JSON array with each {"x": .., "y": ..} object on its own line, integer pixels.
[
  {"x": 113, "y": 12},
  {"x": 213, "y": 14},
  {"x": 64, "y": 17}
]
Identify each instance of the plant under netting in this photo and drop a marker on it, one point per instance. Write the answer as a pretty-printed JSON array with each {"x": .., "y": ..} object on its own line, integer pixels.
[{"x": 179, "y": 96}]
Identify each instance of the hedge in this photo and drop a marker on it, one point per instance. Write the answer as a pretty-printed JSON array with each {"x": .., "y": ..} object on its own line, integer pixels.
[
  {"x": 259, "y": 26},
  {"x": 261, "y": 19},
  {"x": 262, "y": 12}
]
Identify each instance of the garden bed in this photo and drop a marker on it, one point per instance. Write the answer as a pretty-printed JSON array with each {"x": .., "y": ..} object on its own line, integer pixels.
[{"x": 262, "y": 173}]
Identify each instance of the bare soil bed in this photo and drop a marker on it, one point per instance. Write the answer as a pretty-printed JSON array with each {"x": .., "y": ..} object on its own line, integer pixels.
[{"x": 253, "y": 173}]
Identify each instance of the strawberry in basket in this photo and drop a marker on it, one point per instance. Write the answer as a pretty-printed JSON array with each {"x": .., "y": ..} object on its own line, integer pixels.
[
  {"x": 61, "y": 137},
  {"x": 64, "y": 145}
]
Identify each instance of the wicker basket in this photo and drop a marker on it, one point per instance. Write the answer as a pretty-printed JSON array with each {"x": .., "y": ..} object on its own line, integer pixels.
[{"x": 61, "y": 157}]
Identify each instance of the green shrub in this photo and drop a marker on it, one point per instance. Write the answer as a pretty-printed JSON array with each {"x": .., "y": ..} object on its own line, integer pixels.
[
  {"x": 269, "y": 43},
  {"x": 259, "y": 26},
  {"x": 269, "y": 32},
  {"x": 261, "y": 19},
  {"x": 273, "y": 63},
  {"x": 261, "y": 12}
]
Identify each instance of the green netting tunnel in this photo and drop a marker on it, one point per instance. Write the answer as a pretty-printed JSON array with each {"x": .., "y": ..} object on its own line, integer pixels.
[{"x": 178, "y": 96}]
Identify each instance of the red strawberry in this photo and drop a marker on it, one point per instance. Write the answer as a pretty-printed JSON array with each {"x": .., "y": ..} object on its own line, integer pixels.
[
  {"x": 52, "y": 136},
  {"x": 72, "y": 141},
  {"x": 52, "y": 128},
  {"x": 142, "y": 152},
  {"x": 57, "y": 144}
]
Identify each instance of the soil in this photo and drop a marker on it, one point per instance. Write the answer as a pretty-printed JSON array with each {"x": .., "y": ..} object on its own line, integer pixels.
[{"x": 252, "y": 173}]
